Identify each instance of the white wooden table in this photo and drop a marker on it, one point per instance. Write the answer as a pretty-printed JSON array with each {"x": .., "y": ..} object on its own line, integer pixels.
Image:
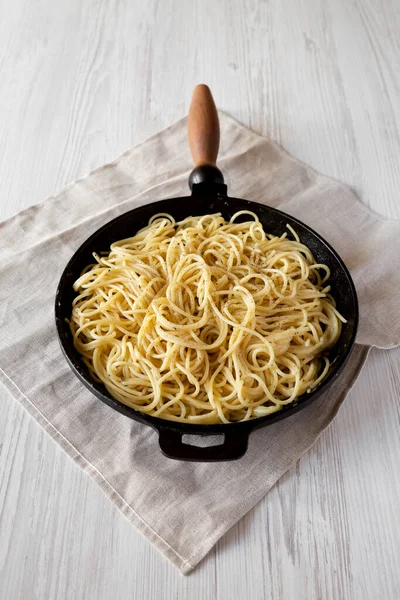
[{"x": 80, "y": 82}]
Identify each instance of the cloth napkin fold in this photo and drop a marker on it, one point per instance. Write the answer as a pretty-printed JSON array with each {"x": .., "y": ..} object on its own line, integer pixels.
[{"x": 182, "y": 508}]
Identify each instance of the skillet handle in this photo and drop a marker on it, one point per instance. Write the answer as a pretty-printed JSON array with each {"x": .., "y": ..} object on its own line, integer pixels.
[
  {"x": 233, "y": 447},
  {"x": 203, "y": 127},
  {"x": 203, "y": 133}
]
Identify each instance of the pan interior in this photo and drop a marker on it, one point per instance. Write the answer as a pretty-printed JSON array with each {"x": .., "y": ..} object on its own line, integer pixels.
[{"x": 274, "y": 221}]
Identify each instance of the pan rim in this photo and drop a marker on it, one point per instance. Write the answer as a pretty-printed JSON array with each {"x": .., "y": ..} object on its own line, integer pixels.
[{"x": 158, "y": 423}]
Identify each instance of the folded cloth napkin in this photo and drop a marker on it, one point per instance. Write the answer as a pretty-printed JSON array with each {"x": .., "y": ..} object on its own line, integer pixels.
[{"x": 182, "y": 508}]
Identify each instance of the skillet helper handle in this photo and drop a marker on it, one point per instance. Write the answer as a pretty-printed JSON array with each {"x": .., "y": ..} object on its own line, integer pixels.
[
  {"x": 203, "y": 133},
  {"x": 233, "y": 447}
]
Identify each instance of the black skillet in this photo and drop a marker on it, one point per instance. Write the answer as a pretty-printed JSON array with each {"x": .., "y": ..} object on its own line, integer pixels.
[{"x": 209, "y": 195}]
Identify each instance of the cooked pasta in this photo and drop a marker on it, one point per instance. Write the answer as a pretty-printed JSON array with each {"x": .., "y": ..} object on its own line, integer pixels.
[{"x": 204, "y": 320}]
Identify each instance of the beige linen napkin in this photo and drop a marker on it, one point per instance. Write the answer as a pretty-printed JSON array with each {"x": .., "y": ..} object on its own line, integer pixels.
[{"x": 183, "y": 508}]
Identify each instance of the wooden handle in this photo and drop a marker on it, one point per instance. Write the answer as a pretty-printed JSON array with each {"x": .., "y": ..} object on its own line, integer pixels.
[{"x": 203, "y": 127}]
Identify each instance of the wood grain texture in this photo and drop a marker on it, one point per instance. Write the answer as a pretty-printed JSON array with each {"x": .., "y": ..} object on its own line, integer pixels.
[
  {"x": 80, "y": 83},
  {"x": 203, "y": 127}
]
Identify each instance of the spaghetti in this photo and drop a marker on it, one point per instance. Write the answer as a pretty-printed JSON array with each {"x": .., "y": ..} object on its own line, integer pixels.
[{"x": 204, "y": 320}]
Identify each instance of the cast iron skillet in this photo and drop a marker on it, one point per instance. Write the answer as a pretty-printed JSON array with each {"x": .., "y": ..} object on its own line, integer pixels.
[{"x": 209, "y": 195}]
